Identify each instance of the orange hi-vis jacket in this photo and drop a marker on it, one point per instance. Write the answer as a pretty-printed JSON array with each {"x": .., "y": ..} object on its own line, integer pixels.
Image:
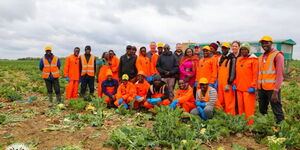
[
  {"x": 267, "y": 71},
  {"x": 246, "y": 73},
  {"x": 144, "y": 64},
  {"x": 87, "y": 67},
  {"x": 114, "y": 66},
  {"x": 207, "y": 68},
  {"x": 185, "y": 99},
  {"x": 185, "y": 95},
  {"x": 72, "y": 68},
  {"x": 142, "y": 88},
  {"x": 127, "y": 92},
  {"x": 50, "y": 68},
  {"x": 154, "y": 59}
]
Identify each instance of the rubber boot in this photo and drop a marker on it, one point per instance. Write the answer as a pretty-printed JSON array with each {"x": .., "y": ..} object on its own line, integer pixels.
[
  {"x": 58, "y": 99},
  {"x": 50, "y": 100}
]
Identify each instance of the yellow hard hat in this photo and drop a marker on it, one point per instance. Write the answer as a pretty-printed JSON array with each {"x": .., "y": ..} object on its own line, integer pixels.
[
  {"x": 226, "y": 44},
  {"x": 48, "y": 48},
  {"x": 206, "y": 47},
  {"x": 203, "y": 81},
  {"x": 125, "y": 77},
  {"x": 266, "y": 38},
  {"x": 160, "y": 44}
]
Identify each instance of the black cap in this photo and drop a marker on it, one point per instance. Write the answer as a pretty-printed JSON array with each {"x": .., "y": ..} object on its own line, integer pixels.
[
  {"x": 77, "y": 48},
  {"x": 128, "y": 47},
  {"x": 87, "y": 47}
]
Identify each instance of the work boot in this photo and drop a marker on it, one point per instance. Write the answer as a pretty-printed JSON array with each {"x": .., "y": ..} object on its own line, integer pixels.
[
  {"x": 50, "y": 100},
  {"x": 58, "y": 99}
]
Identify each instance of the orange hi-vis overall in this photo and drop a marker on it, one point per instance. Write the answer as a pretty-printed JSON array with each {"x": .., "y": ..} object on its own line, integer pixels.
[
  {"x": 144, "y": 64},
  {"x": 157, "y": 94},
  {"x": 141, "y": 90},
  {"x": 246, "y": 77},
  {"x": 114, "y": 66},
  {"x": 72, "y": 71},
  {"x": 127, "y": 92},
  {"x": 185, "y": 99},
  {"x": 88, "y": 67},
  {"x": 154, "y": 59},
  {"x": 109, "y": 90},
  {"x": 207, "y": 68},
  {"x": 226, "y": 100},
  {"x": 267, "y": 72},
  {"x": 50, "y": 68},
  {"x": 101, "y": 77}
]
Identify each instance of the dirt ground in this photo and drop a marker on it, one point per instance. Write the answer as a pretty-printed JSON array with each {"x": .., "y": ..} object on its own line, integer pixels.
[{"x": 32, "y": 130}]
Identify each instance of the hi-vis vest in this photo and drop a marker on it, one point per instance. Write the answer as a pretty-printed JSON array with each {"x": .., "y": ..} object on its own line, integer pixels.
[
  {"x": 50, "y": 68},
  {"x": 206, "y": 98},
  {"x": 87, "y": 67},
  {"x": 267, "y": 72},
  {"x": 157, "y": 94}
]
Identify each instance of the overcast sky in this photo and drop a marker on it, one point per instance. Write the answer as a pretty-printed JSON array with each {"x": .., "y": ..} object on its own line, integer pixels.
[{"x": 27, "y": 26}]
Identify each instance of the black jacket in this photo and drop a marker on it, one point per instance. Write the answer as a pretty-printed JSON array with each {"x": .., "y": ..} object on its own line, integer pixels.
[
  {"x": 167, "y": 63},
  {"x": 127, "y": 66}
]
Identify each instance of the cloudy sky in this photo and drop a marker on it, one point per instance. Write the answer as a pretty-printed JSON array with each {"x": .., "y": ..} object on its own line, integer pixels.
[{"x": 26, "y": 26}]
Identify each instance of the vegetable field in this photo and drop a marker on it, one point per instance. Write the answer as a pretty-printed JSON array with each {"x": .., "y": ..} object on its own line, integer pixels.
[{"x": 26, "y": 118}]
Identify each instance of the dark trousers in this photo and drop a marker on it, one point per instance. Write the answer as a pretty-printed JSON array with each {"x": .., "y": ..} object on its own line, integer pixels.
[
  {"x": 50, "y": 84},
  {"x": 265, "y": 99},
  {"x": 87, "y": 81}
]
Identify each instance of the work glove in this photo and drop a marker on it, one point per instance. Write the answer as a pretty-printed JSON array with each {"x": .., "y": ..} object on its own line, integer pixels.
[
  {"x": 149, "y": 79},
  {"x": 121, "y": 101},
  {"x": 139, "y": 98},
  {"x": 173, "y": 104},
  {"x": 200, "y": 104},
  {"x": 216, "y": 85},
  {"x": 155, "y": 100},
  {"x": 99, "y": 62},
  {"x": 196, "y": 84},
  {"x": 149, "y": 100},
  {"x": 211, "y": 85},
  {"x": 126, "y": 106},
  {"x": 251, "y": 90},
  {"x": 68, "y": 79},
  {"x": 202, "y": 113},
  {"x": 234, "y": 87}
]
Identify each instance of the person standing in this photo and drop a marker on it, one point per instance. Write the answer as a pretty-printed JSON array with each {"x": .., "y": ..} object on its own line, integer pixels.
[
  {"x": 72, "y": 74},
  {"x": 167, "y": 66},
  {"x": 87, "y": 69},
  {"x": 160, "y": 47},
  {"x": 102, "y": 69},
  {"x": 114, "y": 64},
  {"x": 207, "y": 68},
  {"x": 270, "y": 78},
  {"x": 50, "y": 65},
  {"x": 246, "y": 78},
  {"x": 127, "y": 64},
  {"x": 236, "y": 49},
  {"x": 153, "y": 56},
  {"x": 178, "y": 55},
  {"x": 188, "y": 67},
  {"x": 197, "y": 51},
  {"x": 226, "y": 76},
  {"x": 143, "y": 64}
]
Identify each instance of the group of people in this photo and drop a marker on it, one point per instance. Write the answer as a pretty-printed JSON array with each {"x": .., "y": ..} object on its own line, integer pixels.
[{"x": 225, "y": 80}]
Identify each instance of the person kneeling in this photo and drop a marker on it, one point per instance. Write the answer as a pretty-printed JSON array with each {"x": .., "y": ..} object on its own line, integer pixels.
[
  {"x": 109, "y": 89},
  {"x": 142, "y": 87},
  {"x": 126, "y": 92},
  {"x": 206, "y": 97},
  {"x": 184, "y": 97},
  {"x": 158, "y": 93}
]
